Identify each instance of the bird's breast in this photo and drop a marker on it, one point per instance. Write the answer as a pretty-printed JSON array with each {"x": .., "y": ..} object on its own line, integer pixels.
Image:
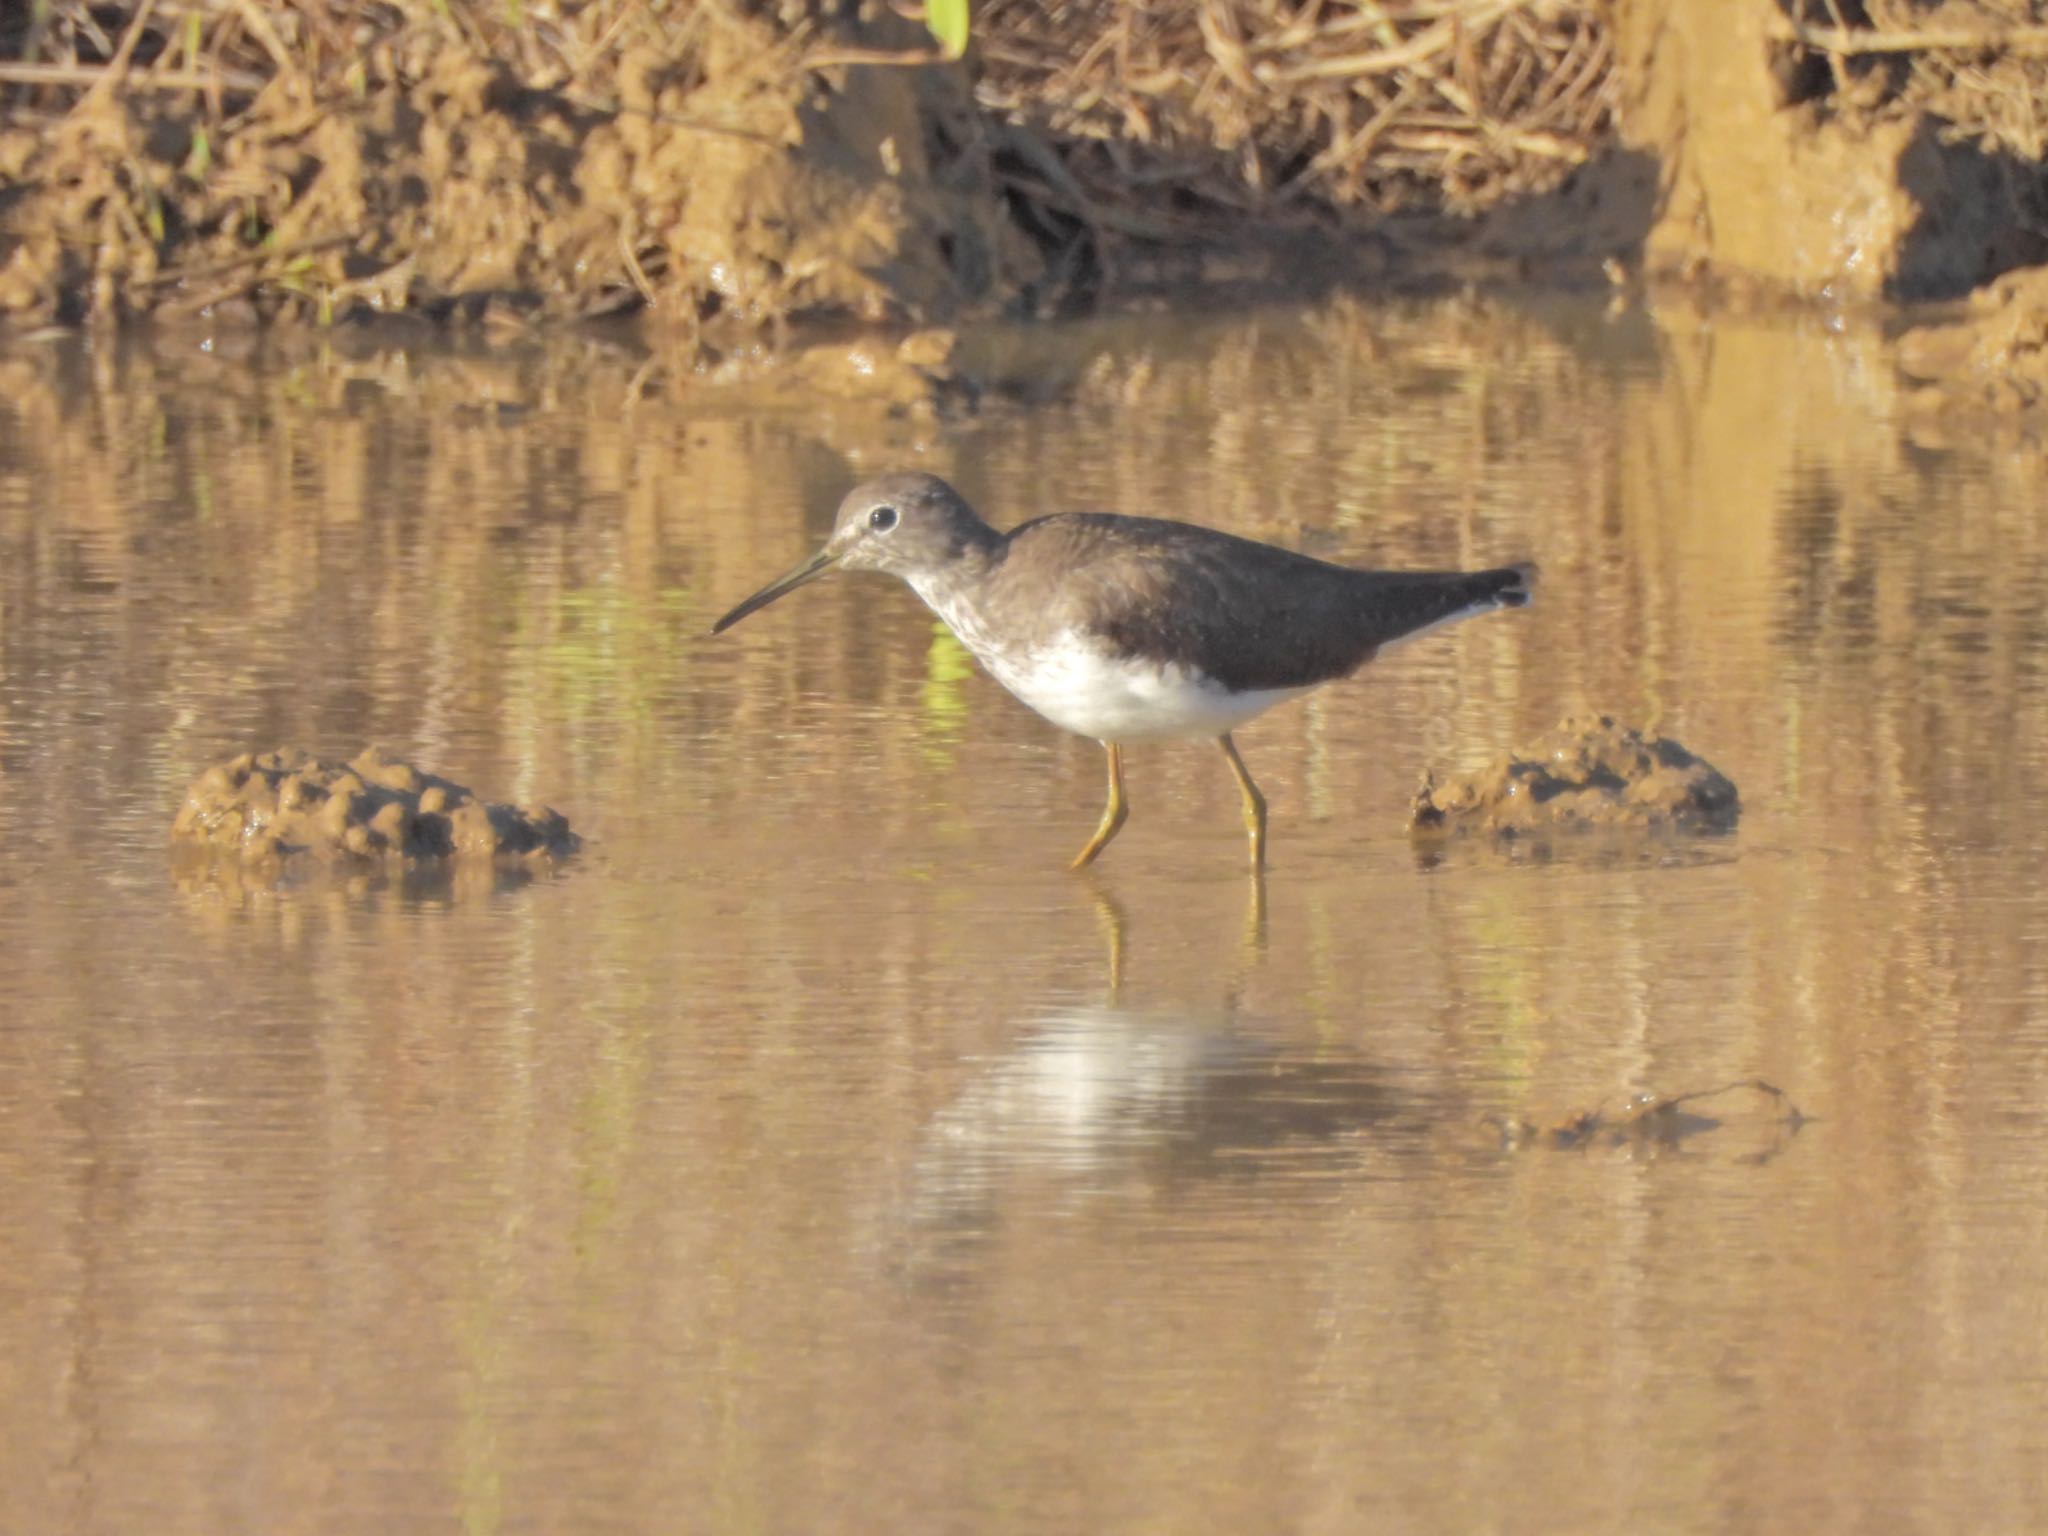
[{"x": 1083, "y": 686}]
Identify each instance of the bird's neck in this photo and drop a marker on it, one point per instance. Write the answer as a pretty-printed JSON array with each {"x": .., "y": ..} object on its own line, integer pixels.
[{"x": 955, "y": 589}]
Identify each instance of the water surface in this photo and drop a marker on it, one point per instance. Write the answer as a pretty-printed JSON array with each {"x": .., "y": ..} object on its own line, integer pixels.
[{"x": 815, "y": 1154}]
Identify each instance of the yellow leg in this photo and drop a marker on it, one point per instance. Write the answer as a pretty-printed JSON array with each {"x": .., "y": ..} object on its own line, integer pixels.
[
  {"x": 1113, "y": 814},
  {"x": 1254, "y": 802}
]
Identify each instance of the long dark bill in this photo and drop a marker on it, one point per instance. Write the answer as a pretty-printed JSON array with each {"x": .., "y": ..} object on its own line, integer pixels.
[{"x": 810, "y": 570}]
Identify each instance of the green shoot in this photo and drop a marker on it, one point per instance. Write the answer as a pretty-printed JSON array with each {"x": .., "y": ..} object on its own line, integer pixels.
[{"x": 946, "y": 20}]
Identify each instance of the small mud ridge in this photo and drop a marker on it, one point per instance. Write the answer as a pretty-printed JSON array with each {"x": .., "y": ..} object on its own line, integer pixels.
[
  {"x": 1590, "y": 771},
  {"x": 275, "y": 804}
]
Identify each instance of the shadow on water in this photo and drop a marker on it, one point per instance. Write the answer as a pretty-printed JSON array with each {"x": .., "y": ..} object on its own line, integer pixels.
[
  {"x": 211, "y": 880},
  {"x": 1590, "y": 848}
]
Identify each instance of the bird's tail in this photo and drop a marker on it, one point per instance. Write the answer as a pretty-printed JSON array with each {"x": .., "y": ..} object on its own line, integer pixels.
[{"x": 1412, "y": 605}]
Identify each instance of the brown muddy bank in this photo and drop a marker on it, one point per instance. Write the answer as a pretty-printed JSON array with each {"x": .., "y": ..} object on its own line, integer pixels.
[
  {"x": 1890, "y": 150},
  {"x": 1893, "y": 152},
  {"x": 363, "y": 159},
  {"x": 731, "y": 167},
  {"x": 735, "y": 168}
]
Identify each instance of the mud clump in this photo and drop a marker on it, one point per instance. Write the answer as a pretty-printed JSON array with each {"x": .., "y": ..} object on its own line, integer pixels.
[
  {"x": 1994, "y": 357},
  {"x": 1588, "y": 772},
  {"x": 276, "y": 804}
]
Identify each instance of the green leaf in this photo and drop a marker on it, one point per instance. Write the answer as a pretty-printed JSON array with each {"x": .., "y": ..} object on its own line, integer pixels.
[{"x": 946, "y": 20}]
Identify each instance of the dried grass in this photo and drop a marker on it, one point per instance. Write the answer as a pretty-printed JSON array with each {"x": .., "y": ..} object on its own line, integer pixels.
[
  {"x": 1167, "y": 104},
  {"x": 184, "y": 152},
  {"x": 1278, "y": 106},
  {"x": 1151, "y": 116},
  {"x": 225, "y": 49},
  {"x": 1981, "y": 66}
]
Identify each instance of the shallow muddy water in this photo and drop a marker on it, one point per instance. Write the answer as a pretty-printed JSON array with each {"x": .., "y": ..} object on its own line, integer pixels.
[{"x": 814, "y": 1154}]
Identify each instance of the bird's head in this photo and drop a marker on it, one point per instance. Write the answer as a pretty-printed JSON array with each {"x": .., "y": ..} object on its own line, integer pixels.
[{"x": 904, "y": 524}]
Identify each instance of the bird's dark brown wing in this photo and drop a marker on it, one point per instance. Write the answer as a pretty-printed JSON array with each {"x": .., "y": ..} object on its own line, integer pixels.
[{"x": 1247, "y": 614}]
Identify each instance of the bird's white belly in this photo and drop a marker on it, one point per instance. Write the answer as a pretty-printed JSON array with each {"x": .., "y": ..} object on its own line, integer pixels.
[{"x": 1083, "y": 688}]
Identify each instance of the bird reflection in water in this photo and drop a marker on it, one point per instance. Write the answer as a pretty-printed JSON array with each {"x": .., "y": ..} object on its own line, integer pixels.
[{"x": 1157, "y": 1102}]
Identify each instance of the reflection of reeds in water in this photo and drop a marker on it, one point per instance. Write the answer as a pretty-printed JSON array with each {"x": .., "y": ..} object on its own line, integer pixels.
[
  {"x": 619, "y": 1130},
  {"x": 508, "y": 552},
  {"x": 358, "y": 542},
  {"x": 388, "y": 542}
]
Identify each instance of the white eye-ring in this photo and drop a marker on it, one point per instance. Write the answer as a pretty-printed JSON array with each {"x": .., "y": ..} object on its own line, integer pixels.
[{"x": 882, "y": 519}]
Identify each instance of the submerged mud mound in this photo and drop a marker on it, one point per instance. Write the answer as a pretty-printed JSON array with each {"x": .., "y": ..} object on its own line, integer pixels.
[
  {"x": 285, "y": 802},
  {"x": 1588, "y": 772},
  {"x": 1653, "y": 1123}
]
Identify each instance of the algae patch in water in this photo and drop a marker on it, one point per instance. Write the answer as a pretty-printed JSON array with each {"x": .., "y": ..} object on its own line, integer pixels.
[
  {"x": 276, "y": 804},
  {"x": 1590, "y": 771}
]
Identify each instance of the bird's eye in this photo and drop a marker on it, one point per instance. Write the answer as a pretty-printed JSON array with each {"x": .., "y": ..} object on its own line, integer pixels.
[{"x": 882, "y": 519}]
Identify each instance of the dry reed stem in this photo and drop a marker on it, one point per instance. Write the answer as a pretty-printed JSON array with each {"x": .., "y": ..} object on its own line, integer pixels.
[
  {"x": 149, "y": 80},
  {"x": 1264, "y": 104},
  {"x": 1852, "y": 41},
  {"x": 1979, "y": 68}
]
